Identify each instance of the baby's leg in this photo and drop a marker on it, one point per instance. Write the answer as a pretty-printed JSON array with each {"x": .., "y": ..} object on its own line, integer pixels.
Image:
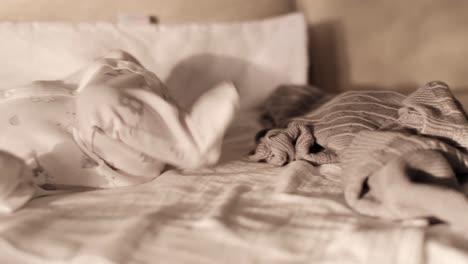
[
  {"x": 16, "y": 186},
  {"x": 123, "y": 106},
  {"x": 100, "y": 109}
]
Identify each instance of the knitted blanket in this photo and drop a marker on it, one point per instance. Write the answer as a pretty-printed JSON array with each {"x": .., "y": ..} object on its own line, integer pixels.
[{"x": 401, "y": 156}]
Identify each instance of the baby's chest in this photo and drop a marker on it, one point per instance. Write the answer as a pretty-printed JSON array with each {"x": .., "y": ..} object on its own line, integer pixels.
[
  {"x": 39, "y": 130},
  {"x": 35, "y": 123}
]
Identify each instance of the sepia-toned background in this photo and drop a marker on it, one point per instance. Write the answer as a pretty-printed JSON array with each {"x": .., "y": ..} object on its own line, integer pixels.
[{"x": 354, "y": 44}]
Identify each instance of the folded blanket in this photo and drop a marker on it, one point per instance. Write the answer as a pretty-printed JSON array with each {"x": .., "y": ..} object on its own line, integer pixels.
[{"x": 402, "y": 157}]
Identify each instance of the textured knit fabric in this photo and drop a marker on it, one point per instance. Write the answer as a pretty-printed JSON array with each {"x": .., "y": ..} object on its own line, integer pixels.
[
  {"x": 333, "y": 125},
  {"x": 400, "y": 155}
]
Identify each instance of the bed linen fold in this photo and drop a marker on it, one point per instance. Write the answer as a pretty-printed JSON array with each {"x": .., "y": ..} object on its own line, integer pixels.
[
  {"x": 237, "y": 212},
  {"x": 401, "y": 157}
]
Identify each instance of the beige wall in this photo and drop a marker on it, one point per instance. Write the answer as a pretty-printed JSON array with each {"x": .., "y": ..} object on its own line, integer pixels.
[
  {"x": 168, "y": 11},
  {"x": 397, "y": 44}
]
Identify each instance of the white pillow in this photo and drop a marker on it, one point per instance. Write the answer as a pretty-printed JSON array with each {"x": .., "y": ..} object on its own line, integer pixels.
[{"x": 257, "y": 56}]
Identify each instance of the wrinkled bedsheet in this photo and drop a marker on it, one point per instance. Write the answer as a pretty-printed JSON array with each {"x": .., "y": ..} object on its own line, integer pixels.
[
  {"x": 236, "y": 212},
  {"x": 402, "y": 156},
  {"x": 239, "y": 212}
]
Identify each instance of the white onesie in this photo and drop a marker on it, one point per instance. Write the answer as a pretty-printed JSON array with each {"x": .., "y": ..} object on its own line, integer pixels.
[{"x": 111, "y": 124}]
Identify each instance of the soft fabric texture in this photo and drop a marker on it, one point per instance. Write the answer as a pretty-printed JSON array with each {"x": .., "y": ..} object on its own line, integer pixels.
[
  {"x": 333, "y": 122},
  {"x": 401, "y": 155},
  {"x": 236, "y": 212},
  {"x": 112, "y": 124}
]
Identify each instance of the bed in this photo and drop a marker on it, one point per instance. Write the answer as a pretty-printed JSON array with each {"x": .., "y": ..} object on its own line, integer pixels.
[{"x": 238, "y": 211}]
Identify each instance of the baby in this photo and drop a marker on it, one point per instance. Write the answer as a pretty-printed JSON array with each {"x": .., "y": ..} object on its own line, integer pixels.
[{"x": 111, "y": 124}]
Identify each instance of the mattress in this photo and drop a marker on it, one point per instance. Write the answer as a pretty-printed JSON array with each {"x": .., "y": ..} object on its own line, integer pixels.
[{"x": 235, "y": 212}]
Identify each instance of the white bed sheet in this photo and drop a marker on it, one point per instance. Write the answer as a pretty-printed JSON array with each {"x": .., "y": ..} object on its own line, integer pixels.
[{"x": 236, "y": 212}]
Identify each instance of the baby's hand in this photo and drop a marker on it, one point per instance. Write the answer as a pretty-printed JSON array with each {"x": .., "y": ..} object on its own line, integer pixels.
[{"x": 16, "y": 187}]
